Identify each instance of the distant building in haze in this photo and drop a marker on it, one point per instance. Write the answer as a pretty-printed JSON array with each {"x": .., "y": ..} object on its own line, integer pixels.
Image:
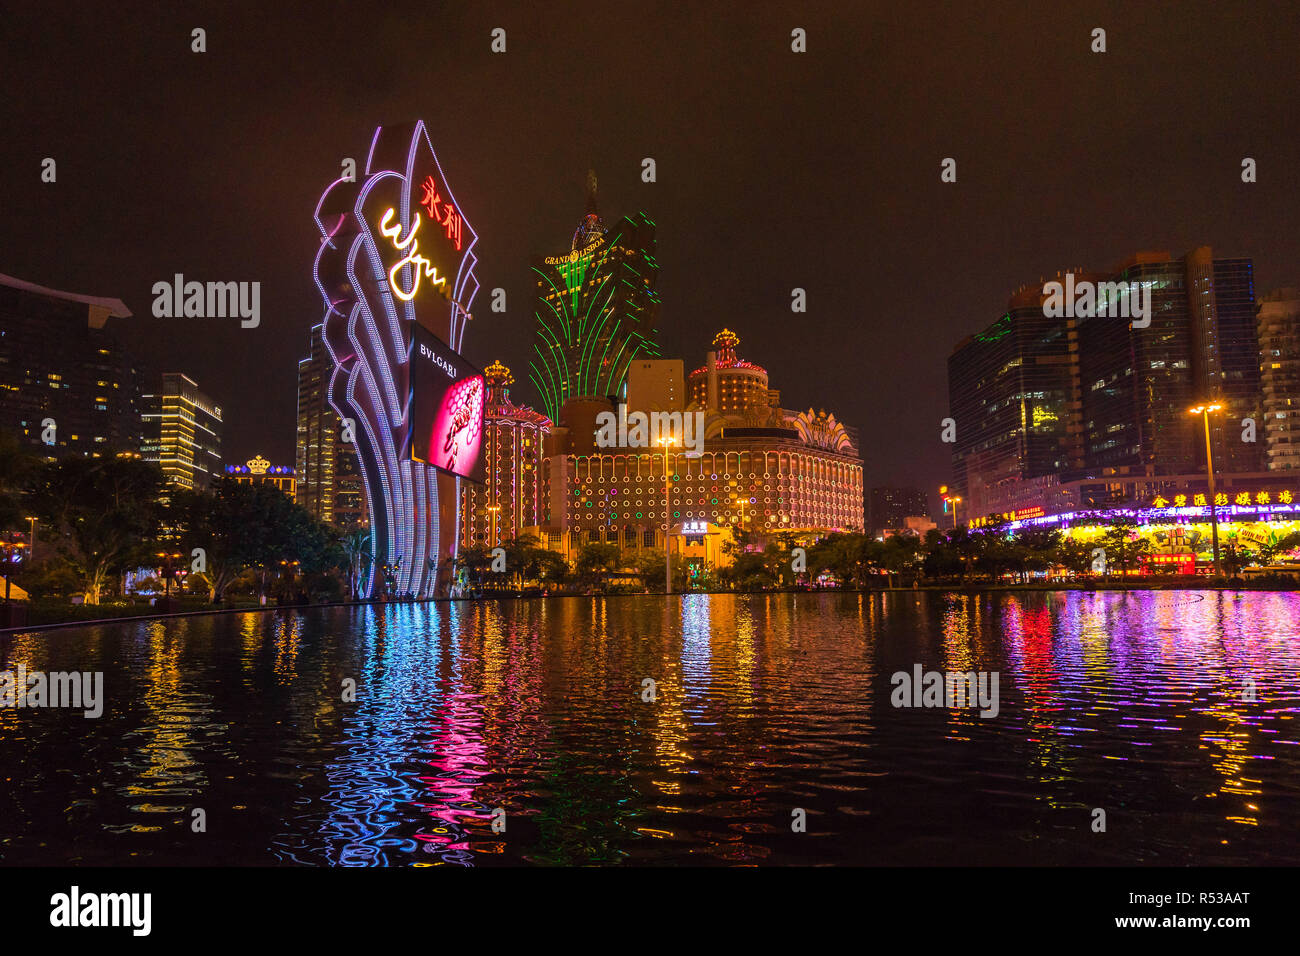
[
  {"x": 182, "y": 432},
  {"x": 328, "y": 476},
  {"x": 1279, "y": 365},
  {"x": 66, "y": 384},
  {"x": 889, "y": 508},
  {"x": 595, "y": 310}
]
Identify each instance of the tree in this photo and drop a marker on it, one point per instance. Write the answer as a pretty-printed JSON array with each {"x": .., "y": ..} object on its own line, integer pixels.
[
  {"x": 1124, "y": 547},
  {"x": 18, "y": 467},
  {"x": 475, "y": 563},
  {"x": 359, "y": 554},
  {"x": 242, "y": 525},
  {"x": 650, "y": 565},
  {"x": 595, "y": 562},
  {"x": 1040, "y": 548},
  {"x": 1075, "y": 555},
  {"x": 101, "y": 514},
  {"x": 898, "y": 554}
]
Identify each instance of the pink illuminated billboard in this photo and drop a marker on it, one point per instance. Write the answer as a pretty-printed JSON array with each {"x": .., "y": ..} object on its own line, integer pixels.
[{"x": 447, "y": 396}]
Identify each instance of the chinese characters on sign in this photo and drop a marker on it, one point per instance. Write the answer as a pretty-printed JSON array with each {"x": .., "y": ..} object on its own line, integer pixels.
[
  {"x": 1221, "y": 500},
  {"x": 440, "y": 211}
]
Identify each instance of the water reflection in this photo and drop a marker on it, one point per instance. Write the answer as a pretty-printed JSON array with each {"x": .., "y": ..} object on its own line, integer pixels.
[{"x": 521, "y": 732}]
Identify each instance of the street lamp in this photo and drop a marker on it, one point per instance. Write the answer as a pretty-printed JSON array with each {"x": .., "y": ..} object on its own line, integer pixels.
[
  {"x": 668, "y": 552},
  {"x": 31, "y": 540},
  {"x": 1204, "y": 412},
  {"x": 742, "y": 502},
  {"x": 953, "y": 500}
]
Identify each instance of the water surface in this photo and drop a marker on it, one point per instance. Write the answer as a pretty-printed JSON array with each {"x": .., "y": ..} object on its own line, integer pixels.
[{"x": 1135, "y": 703}]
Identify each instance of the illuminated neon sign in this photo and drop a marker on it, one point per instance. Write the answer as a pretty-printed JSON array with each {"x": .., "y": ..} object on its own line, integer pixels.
[
  {"x": 576, "y": 254},
  {"x": 387, "y": 238},
  {"x": 425, "y": 268},
  {"x": 431, "y": 201}
]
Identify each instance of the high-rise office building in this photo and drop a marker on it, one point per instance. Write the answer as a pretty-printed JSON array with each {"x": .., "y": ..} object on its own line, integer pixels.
[
  {"x": 182, "y": 432},
  {"x": 66, "y": 383},
  {"x": 1089, "y": 394},
  {"x": 1136, "y": 384},
  {"x": 1010, "y": 392},
  {"x": 596, "y": 309},
  {"x": 1279, "y": 365},
  {"x": 513, "y": 497},
  {"x": 328, "y": 476}
]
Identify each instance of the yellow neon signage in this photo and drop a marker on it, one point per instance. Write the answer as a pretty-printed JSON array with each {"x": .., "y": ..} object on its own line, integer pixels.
[{"x": 423, "y": 267}]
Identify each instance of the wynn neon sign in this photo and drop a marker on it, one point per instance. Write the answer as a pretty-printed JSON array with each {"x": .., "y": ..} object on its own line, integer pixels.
[
  {"x": 424, "y": 268},
  {"x": 381, "y": 251}
]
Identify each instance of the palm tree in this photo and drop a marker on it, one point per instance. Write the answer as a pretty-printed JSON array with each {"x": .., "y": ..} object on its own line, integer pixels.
[{"x": 357, "y": 546}]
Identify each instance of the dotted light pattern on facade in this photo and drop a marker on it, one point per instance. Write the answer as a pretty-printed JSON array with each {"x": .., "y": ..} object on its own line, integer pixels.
[
  {"x": 780, "y": 489},
  {"x": 516, "y": 481}
]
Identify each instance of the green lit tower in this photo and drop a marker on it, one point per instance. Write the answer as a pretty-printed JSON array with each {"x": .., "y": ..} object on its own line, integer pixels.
[{"x": 596, "y": 309}]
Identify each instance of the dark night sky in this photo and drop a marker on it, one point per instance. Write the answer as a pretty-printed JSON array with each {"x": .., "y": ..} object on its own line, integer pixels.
[{"x": 775, "y": 170}]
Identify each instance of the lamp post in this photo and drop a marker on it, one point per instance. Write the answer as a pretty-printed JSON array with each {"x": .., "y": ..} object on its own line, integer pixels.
[
  {"x": 668, "y": 551},
  {"x": 1204, "y": 412},
  {"x": 742, "y": 502},
  {"x": 953, "y": 500},
  {"x": 31, "y": 540}
]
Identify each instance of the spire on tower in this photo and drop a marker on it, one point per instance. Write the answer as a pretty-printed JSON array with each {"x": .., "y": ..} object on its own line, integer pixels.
[{"x": 591, "y": 192}]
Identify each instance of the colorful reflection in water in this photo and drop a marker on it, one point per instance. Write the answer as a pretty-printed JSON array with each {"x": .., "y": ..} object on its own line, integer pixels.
[{"x": 519, "y": 732}]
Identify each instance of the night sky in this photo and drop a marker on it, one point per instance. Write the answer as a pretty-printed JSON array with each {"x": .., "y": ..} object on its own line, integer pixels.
[{"x": 775, "y": 170}]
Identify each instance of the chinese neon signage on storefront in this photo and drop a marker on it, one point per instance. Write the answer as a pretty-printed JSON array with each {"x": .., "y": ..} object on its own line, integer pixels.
[{"x": 1221, "y": 500}]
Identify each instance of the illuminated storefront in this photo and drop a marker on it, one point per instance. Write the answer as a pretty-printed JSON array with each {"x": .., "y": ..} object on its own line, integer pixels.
[{"x": 395, "y": 269}]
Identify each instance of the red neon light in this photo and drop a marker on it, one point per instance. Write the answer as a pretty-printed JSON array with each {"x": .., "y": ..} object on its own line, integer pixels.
[{"x": 448, "y": 218}]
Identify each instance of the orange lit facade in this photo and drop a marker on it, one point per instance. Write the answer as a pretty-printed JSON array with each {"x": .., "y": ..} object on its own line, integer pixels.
[
  {"x": 763, "y": 468},
  {"x": 513, "y": 497}
]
